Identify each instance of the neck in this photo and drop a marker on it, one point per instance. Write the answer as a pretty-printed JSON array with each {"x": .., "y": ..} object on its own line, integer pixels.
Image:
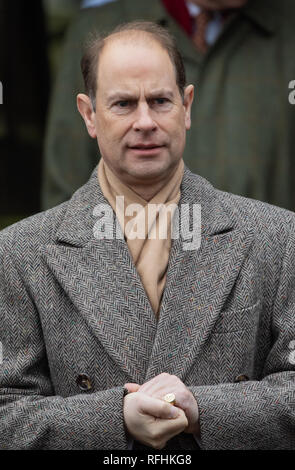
[
  {"x": 148, "y": 191},
  {"x": 149, "y": 188}
]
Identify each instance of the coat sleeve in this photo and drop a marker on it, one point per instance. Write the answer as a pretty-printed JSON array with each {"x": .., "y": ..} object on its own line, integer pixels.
[
  {"x": 258, "y": 414},
  {"x": 31, "y": 415}
]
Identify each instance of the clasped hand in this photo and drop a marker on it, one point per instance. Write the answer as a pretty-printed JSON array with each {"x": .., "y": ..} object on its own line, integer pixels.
[{"x": 152, "y": 421}]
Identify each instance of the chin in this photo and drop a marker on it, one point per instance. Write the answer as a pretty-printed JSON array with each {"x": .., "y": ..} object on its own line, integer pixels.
[{"x": 149, "y": 169}]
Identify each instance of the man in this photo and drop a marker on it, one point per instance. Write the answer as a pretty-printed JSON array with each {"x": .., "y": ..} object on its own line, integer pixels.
[
  {"x": 97, "y": 331},
  {"x": 242, "y": 85}
]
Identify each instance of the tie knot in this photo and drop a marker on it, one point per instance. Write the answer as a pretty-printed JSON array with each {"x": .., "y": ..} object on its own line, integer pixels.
[{"x": 201, "y": 22}]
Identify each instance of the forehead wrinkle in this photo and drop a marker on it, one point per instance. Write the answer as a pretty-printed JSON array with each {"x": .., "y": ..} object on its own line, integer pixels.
[
  {"x": 161, "y": 91},
  {"x": 121, "y": 94},
  {"x": 133, "y": 94}
]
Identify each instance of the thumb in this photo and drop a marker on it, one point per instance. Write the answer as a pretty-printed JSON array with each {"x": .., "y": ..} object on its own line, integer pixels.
[{"x": 132, "y": 387}]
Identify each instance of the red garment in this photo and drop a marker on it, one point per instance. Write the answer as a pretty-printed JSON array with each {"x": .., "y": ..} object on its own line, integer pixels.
[{"x": 178, "y": 10}]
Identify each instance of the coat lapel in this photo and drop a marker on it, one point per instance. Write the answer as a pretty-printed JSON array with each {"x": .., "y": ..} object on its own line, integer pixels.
[
  {"x": 100, "y": 279},
  {"x": 198, "y": 282}
]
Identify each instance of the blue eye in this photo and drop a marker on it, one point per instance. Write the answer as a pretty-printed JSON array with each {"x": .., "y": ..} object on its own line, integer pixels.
[
  {"x": 161, "y": 100},
  {"x": 123, "y": 104}
]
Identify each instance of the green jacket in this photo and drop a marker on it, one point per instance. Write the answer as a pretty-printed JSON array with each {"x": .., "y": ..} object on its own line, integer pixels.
[{"x": 242, "y": 137}]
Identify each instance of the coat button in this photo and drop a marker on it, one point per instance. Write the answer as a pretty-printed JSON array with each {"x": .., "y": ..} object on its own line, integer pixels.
[
  {"x": 83, "y": 382},
  {"x": 241, "y": 378}
]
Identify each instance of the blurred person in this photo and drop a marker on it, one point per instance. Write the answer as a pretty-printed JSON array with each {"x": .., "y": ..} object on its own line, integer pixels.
[
  {"x": 242, "y": 135},
  {"x": 116, "y": 342},
  {"x": 59, "y": 15}
]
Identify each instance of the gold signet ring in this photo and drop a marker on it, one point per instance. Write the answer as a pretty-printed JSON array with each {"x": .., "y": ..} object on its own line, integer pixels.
[{"x": 170, "y": 398}]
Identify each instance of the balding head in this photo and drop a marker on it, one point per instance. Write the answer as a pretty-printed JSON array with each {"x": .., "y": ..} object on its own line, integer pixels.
[{"x": 129, "y": 32}]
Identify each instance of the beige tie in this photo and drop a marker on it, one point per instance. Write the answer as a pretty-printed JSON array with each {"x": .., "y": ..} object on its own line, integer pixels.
[{"x": 199, "y": 36}]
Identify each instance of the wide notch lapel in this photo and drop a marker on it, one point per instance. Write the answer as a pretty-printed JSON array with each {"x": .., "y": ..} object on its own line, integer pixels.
[
  {"x": 100, "y": 279},
  {"x": 198, "y": 282}
]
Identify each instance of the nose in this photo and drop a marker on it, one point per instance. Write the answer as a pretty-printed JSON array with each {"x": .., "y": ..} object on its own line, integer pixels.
[{"x": 144, "y": 121}]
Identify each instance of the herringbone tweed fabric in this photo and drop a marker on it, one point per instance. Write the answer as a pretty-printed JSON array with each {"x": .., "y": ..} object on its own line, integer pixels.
[{"x": 71, "y": 304}]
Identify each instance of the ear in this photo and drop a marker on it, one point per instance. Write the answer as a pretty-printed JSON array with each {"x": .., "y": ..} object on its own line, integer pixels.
[
  {"x": 88, "y": 114},
  {"x": 187, "y": 103}
]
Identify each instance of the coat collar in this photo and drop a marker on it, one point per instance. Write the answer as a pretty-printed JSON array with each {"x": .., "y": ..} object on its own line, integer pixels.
[
  {"x": 100, "y": 278},
  {"x": 77, "y": 225}
]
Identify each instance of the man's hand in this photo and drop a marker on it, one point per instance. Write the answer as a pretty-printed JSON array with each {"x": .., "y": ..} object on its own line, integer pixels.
[
  {"x": 165, "y": 383},
  {"x": 152, "y": 421}
]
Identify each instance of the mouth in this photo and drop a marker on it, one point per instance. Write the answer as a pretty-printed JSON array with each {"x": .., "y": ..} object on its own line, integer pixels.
[{"x": 146, "y": 149}]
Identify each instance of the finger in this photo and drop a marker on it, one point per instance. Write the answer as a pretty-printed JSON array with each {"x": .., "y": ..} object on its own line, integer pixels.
[
  {"x": 156, "y": 407},
  {"x": 174, "y": 426},
  {"x": 161, "y": 385},
  {"x": 161, "y": 392},
  {"x": 149, "y": 420},
  {"x": 165, "y": 429},
  {"x": 156, "y": 381},
  {"x": 132, "y": 387}
]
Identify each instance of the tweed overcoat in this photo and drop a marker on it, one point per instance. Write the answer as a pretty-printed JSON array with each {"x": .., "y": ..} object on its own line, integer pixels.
[{"x": 71, "y": 304}]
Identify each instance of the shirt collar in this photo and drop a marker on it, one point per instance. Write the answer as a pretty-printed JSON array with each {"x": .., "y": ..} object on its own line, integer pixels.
[{"x": 193, "y": 9}]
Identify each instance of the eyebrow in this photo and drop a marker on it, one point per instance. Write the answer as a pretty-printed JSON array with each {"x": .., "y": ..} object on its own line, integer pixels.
[{"x": 125, "y": 95}]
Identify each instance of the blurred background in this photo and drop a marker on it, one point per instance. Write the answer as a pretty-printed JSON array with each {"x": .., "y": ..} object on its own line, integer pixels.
[
  {"x": 243, "y": 126},
  {"x": 31, "y": 40}
]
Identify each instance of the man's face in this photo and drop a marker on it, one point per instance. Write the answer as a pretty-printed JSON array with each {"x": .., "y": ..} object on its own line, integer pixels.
[
  {"x": 140, "y": 120},
  {"x": 219, "y": 4}
]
